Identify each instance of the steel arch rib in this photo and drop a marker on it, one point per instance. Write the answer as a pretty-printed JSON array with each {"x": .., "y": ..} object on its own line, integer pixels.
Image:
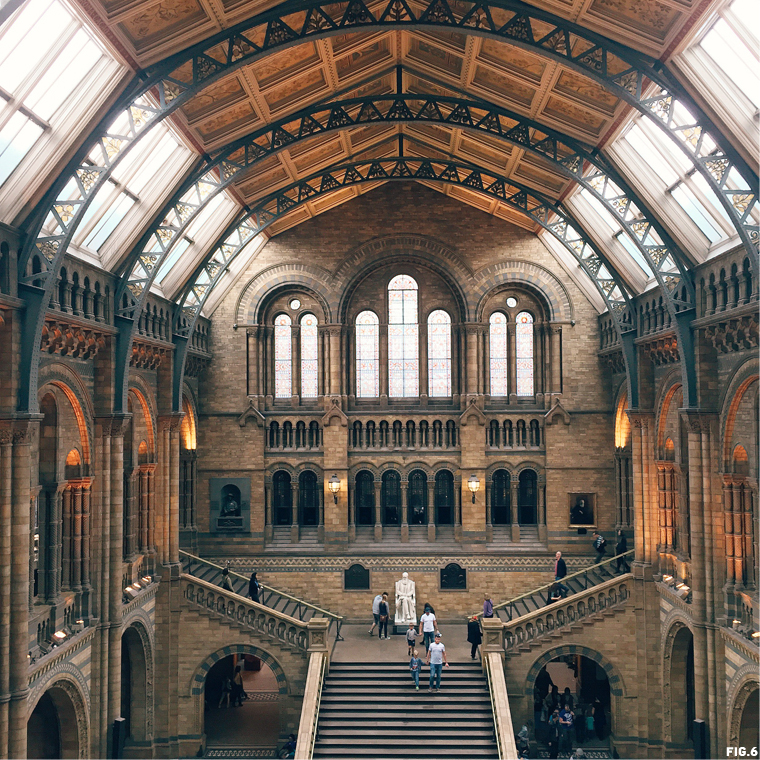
[
  {"x": 251, "y": 223},
  {"x": 167, "y": 86},
  {"x": 574, "y": 160}
]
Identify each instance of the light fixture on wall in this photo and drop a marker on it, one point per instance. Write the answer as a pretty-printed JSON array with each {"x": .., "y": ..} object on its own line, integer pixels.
[
  {"x": 474, "y": 485},
  {"x": 334, "y": 485}
]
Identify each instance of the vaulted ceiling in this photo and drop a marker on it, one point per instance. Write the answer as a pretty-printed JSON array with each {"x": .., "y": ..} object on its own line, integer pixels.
[{"x": 369, "y": 63}]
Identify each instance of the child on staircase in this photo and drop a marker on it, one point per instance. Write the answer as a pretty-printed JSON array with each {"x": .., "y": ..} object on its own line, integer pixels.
[{"x": 415, "y": 666}]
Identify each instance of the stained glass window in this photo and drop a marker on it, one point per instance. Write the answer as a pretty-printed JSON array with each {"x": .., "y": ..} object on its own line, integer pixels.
[
  {"x": 283, "y": 355},
  {"x": 439, "y": 353},
  {"x": 309, "y": 342},
  {"x": 367, "y": 355},
  {"x": 524, "y": 350},
  {"x": 497, "y": 347},
  {"x": 403, "y": 341}
]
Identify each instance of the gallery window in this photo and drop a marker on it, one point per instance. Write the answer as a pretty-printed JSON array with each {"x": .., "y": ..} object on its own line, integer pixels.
[
  {"x": 403, "y": 342},
  {"x": 367, "y": 355},
  {"x": 439, "y": 354}
]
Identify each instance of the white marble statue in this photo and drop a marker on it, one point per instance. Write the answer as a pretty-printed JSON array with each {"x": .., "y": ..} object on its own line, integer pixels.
[{"x": 406, "y": 603}]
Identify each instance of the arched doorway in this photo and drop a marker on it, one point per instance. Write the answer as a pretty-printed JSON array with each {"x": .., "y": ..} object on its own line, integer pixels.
[
  {"x": 136, "y": 699},
  {"x": 444, "y": 498},
  {"x": 365, "y": 498},
  {"x": 391, "y": 497},
  {"x": 582, "y": 679},
  {"x": 527, "y": 500},
  {"x": 500, "y": 492},
  {"x": 417, "y": 498},
  {"x": 252, "y": 721},
  {"x": 282, "y": 498},
  {"x": 745, "y": 716},
  {"x": 52, "y": 728},
  {"x": 309, "y": 497},
  {"x": 682, "y": 710}
]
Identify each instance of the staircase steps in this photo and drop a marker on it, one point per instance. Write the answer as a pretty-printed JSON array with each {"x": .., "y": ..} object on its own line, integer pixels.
[{"x": 371, "y": 710}]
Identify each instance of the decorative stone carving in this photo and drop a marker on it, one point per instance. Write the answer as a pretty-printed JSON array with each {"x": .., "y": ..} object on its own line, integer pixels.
[{"x": 406, "y": 601}]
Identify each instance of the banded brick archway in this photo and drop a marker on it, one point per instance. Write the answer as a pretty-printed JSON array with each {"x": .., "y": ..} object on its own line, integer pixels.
[{"x": 199, "y": 677}]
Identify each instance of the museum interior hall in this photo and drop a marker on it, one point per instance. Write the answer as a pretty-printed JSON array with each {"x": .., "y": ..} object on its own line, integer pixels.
[{"x": 328, "y": 326}]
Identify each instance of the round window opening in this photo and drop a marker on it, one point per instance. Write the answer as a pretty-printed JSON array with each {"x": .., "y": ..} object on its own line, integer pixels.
[
  {"x": 296, "y": 304},
  {"x": 511, "y": 302}
]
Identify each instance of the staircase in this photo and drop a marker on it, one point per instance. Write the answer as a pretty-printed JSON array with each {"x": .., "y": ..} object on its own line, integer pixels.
[
  {"x": 373, "y": 711},
  {"x": 578, "y": 582},
  {"x": 279, "y": 601}
]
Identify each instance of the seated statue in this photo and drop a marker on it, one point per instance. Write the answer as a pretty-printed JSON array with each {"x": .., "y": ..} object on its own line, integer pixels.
[{"x": 406, "y": 603}]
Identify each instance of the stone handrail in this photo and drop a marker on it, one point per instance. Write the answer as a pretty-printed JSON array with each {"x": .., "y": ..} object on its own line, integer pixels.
[
  {"x": 502, "y": 716},
  {"x": 542, "y": 589},
  {"x": 300, "y": 602},
  {"x": 237, "y": 609},
  {"x": 312, "y": 697},
  {"x": 585, "y": 605}
]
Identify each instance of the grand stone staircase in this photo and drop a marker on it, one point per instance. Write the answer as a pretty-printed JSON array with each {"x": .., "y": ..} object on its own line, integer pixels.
[{"x": 371, "y": 710}]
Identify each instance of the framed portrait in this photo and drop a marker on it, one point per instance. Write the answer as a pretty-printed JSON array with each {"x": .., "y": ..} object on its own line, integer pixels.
[{"x": 581, "y": 508}]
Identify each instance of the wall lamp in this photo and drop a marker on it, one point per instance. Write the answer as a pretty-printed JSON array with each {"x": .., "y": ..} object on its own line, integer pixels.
[
  {"x": 474, "y": 485},
  {"x": 334, "y": 485}
]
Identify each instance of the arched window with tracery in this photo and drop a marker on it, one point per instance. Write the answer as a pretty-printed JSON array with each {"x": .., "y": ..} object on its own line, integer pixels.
[
  {"x": 283, "y": 355},
  {"x": 497, "y": 347},
  {"x": 367, "y": 355},
  {"x": 439, "y": 354},
  {"x": 309, "y": 366},
  {"x": 524, "y": 353},
  {"x": 403, "y": 342}
]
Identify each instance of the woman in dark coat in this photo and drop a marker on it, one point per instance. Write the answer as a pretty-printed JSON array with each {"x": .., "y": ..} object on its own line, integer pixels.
[
  {"x": 621, "y": 547},
  {"x": 474, "y": 636}
]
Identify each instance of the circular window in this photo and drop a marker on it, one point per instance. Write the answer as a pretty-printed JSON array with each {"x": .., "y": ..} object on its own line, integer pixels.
[
  {"x": 511, "y": 302},
  {"x": 295, "y": 304}
]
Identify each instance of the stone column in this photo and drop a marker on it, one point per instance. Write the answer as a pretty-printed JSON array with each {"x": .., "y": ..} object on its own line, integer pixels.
[
  {"x": 54, "y": 561},
  {"x": 542, "y": 532},
  {"x": 489, "y": 518},
  {"x": 295, "y": 492},
  {"x": 378, "y": 511},
  {"x": 352, "y": 511},
  {"x": 268, "y": 520},
  {"x": 404, "y": 512},
  {"x": 738, "y": 532},
  {"x": 556, "y": 357},
  {"x": 66, "y": 540},
  {"x": 174, "y": 430},
  {"x": 514, "y": 484},
  {"x": 6, "y": 511},
  {"x": 383, "y": 357},
  {"x": 76, "y": 536},
  {"x": 295, "y": 363},
  {"x": 335, "y": 359},
  {"x": 321, "y": 515},
  {"x": 252, "y": 342},
  {"x": 471, "y": 333},
  {"x": 86, "y": 606},
  {"x": 430, "y": 511},
  {"x": 424, "y": 390},
  {"x": 19, "y": 590}
]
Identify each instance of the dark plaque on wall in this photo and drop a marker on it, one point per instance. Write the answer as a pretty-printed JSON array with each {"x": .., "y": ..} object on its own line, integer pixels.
[
  {"x": 230, "y": 510},
  {"x": 581, "y": 506},
  {"x": 453, "y": 578},
  {"x": 356, "y": 578}
]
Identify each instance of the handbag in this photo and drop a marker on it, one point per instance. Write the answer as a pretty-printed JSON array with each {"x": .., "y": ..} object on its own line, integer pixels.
[{"x": 383, "y": 618}]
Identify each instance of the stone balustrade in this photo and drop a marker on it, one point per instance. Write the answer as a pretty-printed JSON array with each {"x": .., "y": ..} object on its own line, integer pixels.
[
  {"x": 585, "y": 606},
  {"x": 290, "y": 632}
]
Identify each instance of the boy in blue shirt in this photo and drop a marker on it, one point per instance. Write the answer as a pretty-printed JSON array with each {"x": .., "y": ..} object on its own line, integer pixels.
[{"x": 415, "y": 665}]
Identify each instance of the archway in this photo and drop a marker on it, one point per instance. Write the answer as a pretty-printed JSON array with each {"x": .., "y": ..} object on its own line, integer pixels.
[
  {"x": 745, "y": 716},
  {"x": 681, "y": 697},
  {"x": 527, "y": 500},
  {"x": 136, "y": 694},
  {"x": 253, "y": 720},
  {"x": 595, "y": 692},
  {"x": 53, "y": 727}
]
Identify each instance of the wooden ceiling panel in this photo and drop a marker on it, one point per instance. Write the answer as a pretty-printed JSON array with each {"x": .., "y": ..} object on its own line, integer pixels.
[
  {"x": 573, "y": 117},
  {"x": 238, "y": 119},
  {"x": 437, "y": 57},
  {"x": 503, "y": 88},
  {"x": 327, "y": 152},
  {"x": 586, "y": 91},
  {"x": 296, "y": 92},
  {"x": 276, "y": 68},
  {"x": 360, "y": 60},
  {"x": 225, "y": 93},
  {"x": 476, "y": 151},
  {"x": 513, "y": 59}
]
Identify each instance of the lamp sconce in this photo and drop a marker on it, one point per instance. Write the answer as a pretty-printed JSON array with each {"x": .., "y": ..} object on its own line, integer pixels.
[
  {"x": 474, "y": 485},
  {"x": 334, "y": 485}
]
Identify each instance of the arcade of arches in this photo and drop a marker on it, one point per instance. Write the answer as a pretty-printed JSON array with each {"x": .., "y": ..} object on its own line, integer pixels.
[{"x": 409, "y": 298}]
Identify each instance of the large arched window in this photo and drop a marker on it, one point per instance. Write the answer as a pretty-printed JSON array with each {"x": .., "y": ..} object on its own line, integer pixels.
[
  {"x": 365, "y": 498},
  {"x": 439, "y": 353},
  {"x": 282, "y": 496},
  {"x": 417, "y": 498},
  {"x": 308, "y": 495},
  {"x": 403, "y": 343},
  {"x": 497, "y": 348},
  {"x": 500, "y": 498},
  {"x": 391, "y": 497},
  {"x": 367, "y": 355},
  {"x": 309, "y": 343},
  {"x": 444, "y": 497},
  {"x": 283, "y": 355},
  {"x": 524, "y": 353}
]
